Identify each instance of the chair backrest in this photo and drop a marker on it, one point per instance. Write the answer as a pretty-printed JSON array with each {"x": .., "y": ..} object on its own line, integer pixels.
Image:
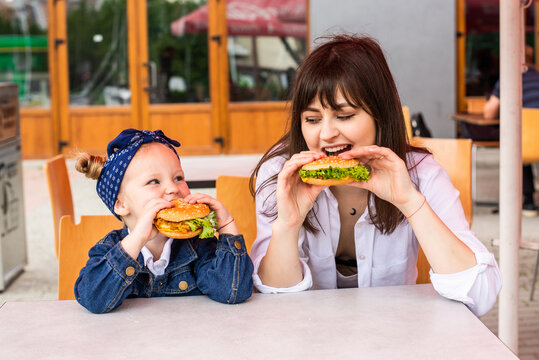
[
  {"x": 530, "y": 129},
  {"x": 59, "y": 192},
  {"x": 75, "y": 242},
  {"x": 407, "y": 121},
  {"x": 475, "y": 104},
  {"x": 233, "y": 192},
  {"x": 455, "y": 156}
]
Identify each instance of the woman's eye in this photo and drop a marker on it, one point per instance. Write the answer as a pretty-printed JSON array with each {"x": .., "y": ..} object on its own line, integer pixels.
[
  {"x": 311, "y": 120},
  {"x": 345, "y": 117}
]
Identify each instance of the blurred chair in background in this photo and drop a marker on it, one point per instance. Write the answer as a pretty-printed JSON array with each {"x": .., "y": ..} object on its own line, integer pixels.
[
  {"x": 455, "y": 156},
  {"x": 75, "y": 242},
  {"x": 407, "y": 121},
  {"x": 233, "y": 192},
  {"x": 59, "y": 192}
]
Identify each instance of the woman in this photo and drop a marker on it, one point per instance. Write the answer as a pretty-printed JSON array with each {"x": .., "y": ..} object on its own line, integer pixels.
[{"x": 345, "y": 103}]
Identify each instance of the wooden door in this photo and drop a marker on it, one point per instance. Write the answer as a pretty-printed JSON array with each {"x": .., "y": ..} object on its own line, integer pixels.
[
  {"x": 117, "y": 68},
  {"x": 181, "y": 75}
]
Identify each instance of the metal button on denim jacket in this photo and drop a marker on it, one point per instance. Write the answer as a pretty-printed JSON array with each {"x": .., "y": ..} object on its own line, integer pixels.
[{"x": 218, "y": 268}]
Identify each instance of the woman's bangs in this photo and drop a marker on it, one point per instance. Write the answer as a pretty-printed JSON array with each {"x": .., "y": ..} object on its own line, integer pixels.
[{"x": 326, "y": 90}]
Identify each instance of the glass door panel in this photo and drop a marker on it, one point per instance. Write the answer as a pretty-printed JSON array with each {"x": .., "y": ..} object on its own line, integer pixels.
[
  {"x": 178, "y": 51},
  {"x": 482, "y": 44},
  {"x": 23, "y": 50},
  {"x": 266, "y": 43},
  {"x": 97, "y": 52}
]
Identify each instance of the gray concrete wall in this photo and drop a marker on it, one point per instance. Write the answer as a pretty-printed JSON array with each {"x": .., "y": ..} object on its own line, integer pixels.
[{"x": 419, "y": 39}]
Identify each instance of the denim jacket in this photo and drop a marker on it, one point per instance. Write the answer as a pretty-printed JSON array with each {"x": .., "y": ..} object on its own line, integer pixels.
[{"x": 219, "y": 268}]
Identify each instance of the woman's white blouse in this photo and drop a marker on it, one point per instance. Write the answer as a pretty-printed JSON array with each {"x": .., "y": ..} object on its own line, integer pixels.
[{"x": 382, "y": 259}]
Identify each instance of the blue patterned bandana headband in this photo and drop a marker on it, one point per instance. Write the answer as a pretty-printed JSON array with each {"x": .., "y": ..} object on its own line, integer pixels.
[{"x": 120, "y": 152}]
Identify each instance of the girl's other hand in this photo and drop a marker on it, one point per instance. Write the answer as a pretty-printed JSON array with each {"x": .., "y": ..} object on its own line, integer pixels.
[
  {"x": 225, "y": 222},
  {"x": 389, "y": 178},
  {"x": 294, "y": 197}
]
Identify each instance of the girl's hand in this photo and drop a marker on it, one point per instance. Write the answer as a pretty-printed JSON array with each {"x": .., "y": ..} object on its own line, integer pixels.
[
  {"x": 389, "y": 178},
  {"x": 225, "y": 222},
  {"x": 294, "y": 197},
  {"x": 144, "y": 229}
]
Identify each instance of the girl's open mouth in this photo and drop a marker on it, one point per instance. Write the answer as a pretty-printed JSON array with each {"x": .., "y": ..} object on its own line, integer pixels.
[{"x": 336, "y": 150}]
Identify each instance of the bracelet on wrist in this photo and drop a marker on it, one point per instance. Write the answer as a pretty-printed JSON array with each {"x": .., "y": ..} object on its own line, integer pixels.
[
  {"x": 419, "y": 208},
  {"x": 228, "y": 223}
]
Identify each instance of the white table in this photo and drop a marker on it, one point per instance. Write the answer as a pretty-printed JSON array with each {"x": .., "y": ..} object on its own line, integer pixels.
[{"x": 401, "y": 322}]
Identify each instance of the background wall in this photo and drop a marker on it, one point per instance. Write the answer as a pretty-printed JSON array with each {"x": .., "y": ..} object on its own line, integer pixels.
[{"x": 419, "y": 39}]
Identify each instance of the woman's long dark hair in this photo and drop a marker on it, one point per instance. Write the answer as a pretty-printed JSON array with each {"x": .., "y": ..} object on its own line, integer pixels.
[{"x": 356, "y": 67}]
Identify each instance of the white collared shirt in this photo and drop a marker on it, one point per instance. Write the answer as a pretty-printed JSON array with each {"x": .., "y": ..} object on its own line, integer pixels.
[
  {"x": 382, "y": 259},
  {"x": 157, "y": 267}
]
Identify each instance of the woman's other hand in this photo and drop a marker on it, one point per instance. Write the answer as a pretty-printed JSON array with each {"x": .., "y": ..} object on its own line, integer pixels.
[{"x": 389, "y": 178}]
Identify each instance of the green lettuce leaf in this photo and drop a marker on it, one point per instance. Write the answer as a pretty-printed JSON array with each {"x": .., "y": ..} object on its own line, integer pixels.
[
  {"x": 358, "y": 173},
  {"x": 207, "y": 223}
]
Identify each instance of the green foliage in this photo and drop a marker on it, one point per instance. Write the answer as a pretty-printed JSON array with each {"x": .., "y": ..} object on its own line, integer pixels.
[
  {"x": 105, "y": 62},
  {"x": 189, "y": 52}
]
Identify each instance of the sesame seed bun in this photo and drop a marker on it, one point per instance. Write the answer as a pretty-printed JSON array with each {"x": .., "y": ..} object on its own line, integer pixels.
[
  {"x": 183, "y": 211},
  {"x": 332, "y": 161}
]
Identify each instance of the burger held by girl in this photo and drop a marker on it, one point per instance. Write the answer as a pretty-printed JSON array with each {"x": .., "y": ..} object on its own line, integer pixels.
[
  {"x": 366, "y": 232},
  {"x": 141, "y": 177}
]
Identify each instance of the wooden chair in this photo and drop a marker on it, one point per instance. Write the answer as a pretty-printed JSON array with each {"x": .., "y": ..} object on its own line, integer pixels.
[
  {"x": 59, "y": 192},
  {"x": 530, "y": 129},
  {"x": 455, "y": 156},
  {"x": 233, "y": 192},
  {"x": 75, "y": 242},
  {"x": 407, "y": 121},
  {"x": 475, "y": 104},
  {"x": 530, "y": 155}
]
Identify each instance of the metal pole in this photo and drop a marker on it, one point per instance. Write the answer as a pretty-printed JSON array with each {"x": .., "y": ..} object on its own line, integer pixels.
[{"x": 511, "y": 46}]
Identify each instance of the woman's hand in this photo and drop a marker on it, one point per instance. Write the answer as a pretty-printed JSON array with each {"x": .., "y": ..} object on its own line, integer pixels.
[
  {"x": 389, "y": 178},
  {"x": 225, "y": 221},
  {"x": 294, "y": 197}
]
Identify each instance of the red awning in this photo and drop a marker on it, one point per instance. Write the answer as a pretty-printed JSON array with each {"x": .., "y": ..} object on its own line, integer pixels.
[{"x": 251, "y": 18}]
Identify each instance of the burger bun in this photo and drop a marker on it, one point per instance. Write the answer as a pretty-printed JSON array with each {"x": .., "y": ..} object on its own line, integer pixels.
[
  {"x": 180, "y": 235},
  {"x": 183, "y": 211},
  {"x": 327, "y": 182},
  {"x": 333, "y": 161}
]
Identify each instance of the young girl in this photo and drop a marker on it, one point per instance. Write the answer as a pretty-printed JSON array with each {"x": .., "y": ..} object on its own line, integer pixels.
[
  {"x": 345, "y": 103},
  {"x": 141, "y": 175}
]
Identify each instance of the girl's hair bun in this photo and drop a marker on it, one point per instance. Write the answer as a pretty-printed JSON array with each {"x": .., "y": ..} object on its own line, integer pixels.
[{"x": 90, "y": 165}]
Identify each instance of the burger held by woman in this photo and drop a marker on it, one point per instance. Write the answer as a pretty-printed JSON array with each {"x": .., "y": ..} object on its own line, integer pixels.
[{"x": 395, "y": 197}]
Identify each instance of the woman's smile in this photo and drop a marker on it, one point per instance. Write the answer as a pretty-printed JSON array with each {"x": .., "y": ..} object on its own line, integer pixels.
[{"x": 336, "y": 149}]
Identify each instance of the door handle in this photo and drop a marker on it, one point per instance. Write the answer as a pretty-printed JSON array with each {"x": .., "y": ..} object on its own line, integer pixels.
[{"x": 152, "y": 76}]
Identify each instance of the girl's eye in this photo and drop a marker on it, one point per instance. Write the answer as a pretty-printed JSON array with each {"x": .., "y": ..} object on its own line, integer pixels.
[
  {"x": 345, "y": 117},
  {"x": 178, "y": 178},
  {"x": 153, "y": 182}
]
